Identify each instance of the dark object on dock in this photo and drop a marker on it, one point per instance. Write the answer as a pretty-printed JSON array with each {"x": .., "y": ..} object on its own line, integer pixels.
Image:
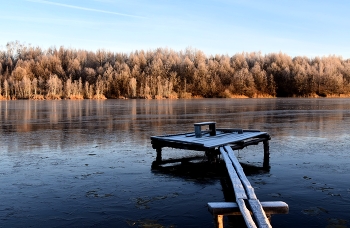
[
  {"x": 210, "y": 140},
  {"x": 198, "y": 131}
]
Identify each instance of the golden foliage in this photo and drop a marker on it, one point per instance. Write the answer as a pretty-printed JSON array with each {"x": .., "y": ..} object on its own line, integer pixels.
[{"x": 32, "y": 73}]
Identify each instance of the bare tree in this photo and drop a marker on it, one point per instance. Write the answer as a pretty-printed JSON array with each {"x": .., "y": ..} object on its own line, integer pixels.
[
  {"x": 34, "y": 87},
  {"x": 24, "y": 88},
  {"x": 88, "y": 90},
  {"x": 132, "y": 84},
  {"x": 100, "y": 87},
  {"x": 6, "y": 90},
  {"x": 68, "y": 88},
  {"x": 54, "y": 87}
]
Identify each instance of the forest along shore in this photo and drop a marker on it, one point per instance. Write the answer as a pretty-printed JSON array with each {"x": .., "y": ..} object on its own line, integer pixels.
[{"x": 28, "y": 72}]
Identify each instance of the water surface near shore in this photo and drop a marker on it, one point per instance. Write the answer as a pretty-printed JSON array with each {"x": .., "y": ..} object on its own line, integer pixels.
[{"x": 88, "y": 163}]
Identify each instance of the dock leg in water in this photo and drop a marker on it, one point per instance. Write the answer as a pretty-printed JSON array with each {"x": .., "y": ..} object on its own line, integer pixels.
[
  {"x": 212, "y": 155},
  {"x": 158, "y": 160},
  {"x": 219, "y": 221},
  {"x": 159, "y": 154},
  {"x": 266, "y": 163}
]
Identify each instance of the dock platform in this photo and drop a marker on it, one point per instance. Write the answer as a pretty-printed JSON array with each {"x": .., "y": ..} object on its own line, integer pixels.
[{"x": 209, "y": 140}]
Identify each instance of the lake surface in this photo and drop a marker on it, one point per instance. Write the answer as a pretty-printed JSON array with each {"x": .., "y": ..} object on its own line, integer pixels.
[{"x": 88, "y": 163}]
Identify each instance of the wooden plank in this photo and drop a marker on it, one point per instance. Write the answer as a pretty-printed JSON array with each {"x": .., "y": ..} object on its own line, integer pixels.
[
  {"x": 254, "y": 141},
  {"x": 216, "y": 137},
  {"x": 278, "y": 207},
  {"x": 248, "y": 187},
  {"x": 213, "y": 143},
  {"x": 248, "y": 135},
  {"x": 245, "y": 144},
  {"x": 230, "y": 139},
  {"x": 183, "y": 138},
  {"x": 230, "y": 129},
  {"x": 204, "y": 123},
  {"x": 259, "y": 214},
  {"x": 231, "y": 208},
  {"x": 207, "y": 138},
  {"x": 237, "y": 130},
  {"x": 176, "y": 160},
  {"x": 238, "y": 188},
  {"x": 177, "y": 140},
  {"x": 246, "y": 214},
  {"x": 250, "y": 130}
]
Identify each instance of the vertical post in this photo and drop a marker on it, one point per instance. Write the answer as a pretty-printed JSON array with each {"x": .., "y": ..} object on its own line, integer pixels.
[
  {"x": 212, "y": 155},
  {"x": 266, "y": 164},
  {"x": 197, "y": 131},
  {"x": 212, "y": 129},
  {"x": 219, "y": 221},
  {"x": 159, "y": 154},
  {"x": 269, "y": 217}
]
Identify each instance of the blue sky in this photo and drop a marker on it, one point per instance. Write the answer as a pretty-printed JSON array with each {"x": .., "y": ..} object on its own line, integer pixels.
[{"x": 298, "y": 28}]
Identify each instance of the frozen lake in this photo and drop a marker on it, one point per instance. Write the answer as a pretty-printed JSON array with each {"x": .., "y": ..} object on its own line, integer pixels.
[{"x": 88, "y": 163}]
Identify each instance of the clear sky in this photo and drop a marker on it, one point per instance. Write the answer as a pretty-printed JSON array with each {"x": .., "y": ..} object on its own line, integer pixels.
[{"x": 295, "y": 27}]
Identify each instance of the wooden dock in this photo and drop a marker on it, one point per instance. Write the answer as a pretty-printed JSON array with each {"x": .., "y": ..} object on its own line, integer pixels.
[
  {"x": 210, "y": 140},
  {"x": 221, "y": 142}
]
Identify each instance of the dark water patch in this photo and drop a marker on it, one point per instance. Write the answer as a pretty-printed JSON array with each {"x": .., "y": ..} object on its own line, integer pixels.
[
  {"x": 337, "y": 223},
  {"x": 147, "y": 223},
  {"x": 199, "y": 172}
]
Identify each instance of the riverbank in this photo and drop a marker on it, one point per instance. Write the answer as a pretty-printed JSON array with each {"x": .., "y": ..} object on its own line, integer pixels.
[{"x": 225, "y": 95}]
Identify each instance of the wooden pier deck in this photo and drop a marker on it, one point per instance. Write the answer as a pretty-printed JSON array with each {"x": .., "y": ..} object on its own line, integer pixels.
[
  {"x": 215, "y": 142},
  {"x": 210, "y": 140}
]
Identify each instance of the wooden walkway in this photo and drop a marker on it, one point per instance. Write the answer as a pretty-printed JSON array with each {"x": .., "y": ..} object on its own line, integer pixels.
[
  {"x": 222, "y": 142},
  {"x": 245, "y": 195}
]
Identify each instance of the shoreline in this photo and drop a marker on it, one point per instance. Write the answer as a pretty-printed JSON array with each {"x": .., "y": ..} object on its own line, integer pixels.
[{"x": 186, "y": 98}]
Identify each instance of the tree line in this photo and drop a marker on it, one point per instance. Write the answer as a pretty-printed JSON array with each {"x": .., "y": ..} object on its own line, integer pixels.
[{"x": 28, "y": 72}]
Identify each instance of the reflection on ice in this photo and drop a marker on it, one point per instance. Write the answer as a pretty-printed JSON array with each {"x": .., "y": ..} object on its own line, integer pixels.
[{"x": 88, "y": 163}]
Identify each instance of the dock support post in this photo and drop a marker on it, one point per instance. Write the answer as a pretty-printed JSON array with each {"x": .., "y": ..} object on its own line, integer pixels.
[
  {"x": 212, "y": 155},
  {"x": 219, "y": 221},
  {"x": 197, "y": 131},
  {"x": 159, "y": 154},
  {"x": 266, "y": 163}
]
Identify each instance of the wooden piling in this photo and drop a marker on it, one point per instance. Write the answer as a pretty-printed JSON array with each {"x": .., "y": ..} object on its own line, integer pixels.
[
  {"x": 266, "y": 164},
  {"x": 159, "y": 154}
]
